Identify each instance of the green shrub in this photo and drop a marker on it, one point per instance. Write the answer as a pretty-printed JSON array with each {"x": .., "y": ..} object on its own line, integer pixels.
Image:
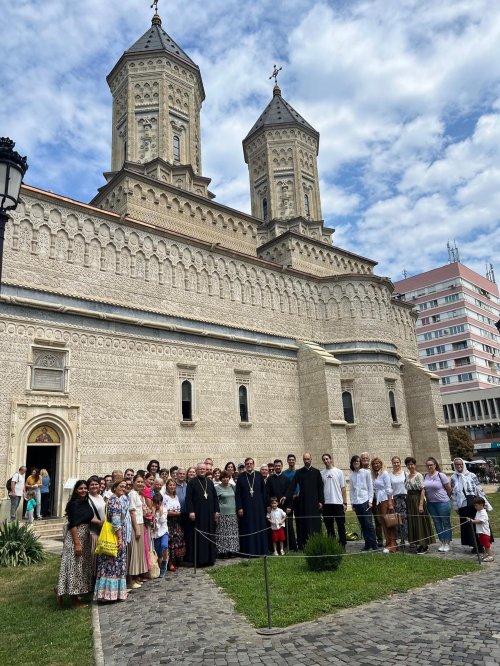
[
  {"x": 19, "y": 545},
  {"x": 319, "y": 544}
]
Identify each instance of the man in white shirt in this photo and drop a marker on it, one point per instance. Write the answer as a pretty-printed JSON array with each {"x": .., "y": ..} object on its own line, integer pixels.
[
  {"x": 17, "y": 491},
  {"x": 335, "y": 498}
]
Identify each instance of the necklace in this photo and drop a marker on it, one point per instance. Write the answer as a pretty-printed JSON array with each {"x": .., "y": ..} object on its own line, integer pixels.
[
  {"x": 253, "y": 483},
  {"x": 203, "y": 488}
]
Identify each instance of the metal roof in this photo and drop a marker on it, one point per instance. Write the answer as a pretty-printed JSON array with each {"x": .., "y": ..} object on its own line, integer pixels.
[
  {"x": 280, "y": 112},
  {"x": 156, "y": 39}
]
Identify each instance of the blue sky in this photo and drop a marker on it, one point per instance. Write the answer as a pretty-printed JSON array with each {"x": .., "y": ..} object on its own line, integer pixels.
[{"x": 405, "y": 95}]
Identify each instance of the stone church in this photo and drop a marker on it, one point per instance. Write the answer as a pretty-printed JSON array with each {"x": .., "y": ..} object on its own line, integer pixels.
[{"x": 156, "y": 322}]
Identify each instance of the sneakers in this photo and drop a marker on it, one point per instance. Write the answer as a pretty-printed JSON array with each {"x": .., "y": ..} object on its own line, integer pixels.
[
  {"x": 490, "y": 558},
  {"x": 441, "y": 548},
  {"x": 386, "y": 550},
  {"x": 276, "y": 553},
  {"x": 135, "y": 586},
  {"x": 282, "y": 552},
  {"x": 446, "y": 548}
]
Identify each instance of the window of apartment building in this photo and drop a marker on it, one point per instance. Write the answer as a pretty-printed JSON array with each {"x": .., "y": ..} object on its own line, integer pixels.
[
  {"x": 464, "y": 360},
  {"x": 440, "y": 349},
  {"x": 470, "y": 409},
  {"x": 433, "y": 303},
  {"x": 484, "y": 405},
  {"x": 457, "y": 329},
  {"x": 465, "y": 377},
  {"x": 187, "y": 392},
  {"x": 436, "y": 318},
  {"x": 429, "y": 351},
  {"x": 243, "y": 390},
  {"x": 432, "y": 366},
  {"x": 451, "y": 298},
  {"x": 459, "y": 410},
  {"x": 487, "y": 349},
  {"x": 427, "y": 336},
  {"x": 451, "y": 411},
  {"x": 439, "y": 333},
  {"x": 445, "y": 380},
  {"x": 422, "y": 306},
  {"x": 459, "y": 345},
  {"x": 48, "y": 369},
  {"x": 424, "y": 321},
  {"x": 443, "y": 365}
]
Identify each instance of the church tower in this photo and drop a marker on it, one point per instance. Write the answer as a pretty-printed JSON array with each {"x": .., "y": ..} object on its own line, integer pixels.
[
  {"x": 157, "y": 96},
  {"x": 281, "y": 151}
]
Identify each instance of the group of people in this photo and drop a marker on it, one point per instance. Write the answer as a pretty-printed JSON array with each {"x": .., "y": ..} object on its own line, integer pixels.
[
  {"x": 34, "y": 490},
  {"x": 163, "y": 518}
]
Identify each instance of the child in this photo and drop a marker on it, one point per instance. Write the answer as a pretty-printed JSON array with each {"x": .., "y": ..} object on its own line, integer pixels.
[
  {"x": 160, "y": 533},
  {"x": 30, "y": 506},
  {"x": 483, "y": 528},
  {"x": 277, "y": 519}
]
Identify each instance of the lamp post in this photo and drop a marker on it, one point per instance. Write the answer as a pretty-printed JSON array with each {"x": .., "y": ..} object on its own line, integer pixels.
[{"x": 12, "y": 170}]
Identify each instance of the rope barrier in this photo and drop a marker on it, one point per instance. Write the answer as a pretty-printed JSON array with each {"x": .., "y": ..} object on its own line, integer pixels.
[{"x": 360, "y": 553}]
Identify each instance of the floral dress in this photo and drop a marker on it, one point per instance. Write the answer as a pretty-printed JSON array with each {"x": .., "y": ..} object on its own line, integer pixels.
[
  {"x": 176, "y": 542},
  {"x": 111, "y": 583}
]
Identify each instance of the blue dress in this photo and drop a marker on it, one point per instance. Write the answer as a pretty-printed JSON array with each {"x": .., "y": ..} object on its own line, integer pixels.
[{"x": 111, "y": 582}]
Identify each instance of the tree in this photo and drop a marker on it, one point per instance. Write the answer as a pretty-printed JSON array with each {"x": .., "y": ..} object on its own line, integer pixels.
[{"x": 460, "y": 443}]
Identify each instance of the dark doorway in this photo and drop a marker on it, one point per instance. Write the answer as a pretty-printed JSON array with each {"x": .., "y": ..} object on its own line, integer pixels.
[{"x": 41, "y": 457}]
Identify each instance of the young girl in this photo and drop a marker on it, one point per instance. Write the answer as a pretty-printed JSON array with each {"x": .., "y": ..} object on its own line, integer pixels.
[
  {"x": 482, "y": 527},
  {"x": 30, "y": 506},
  {"x": 277, "y": 519},
  {"x": 160, "y": 533}
]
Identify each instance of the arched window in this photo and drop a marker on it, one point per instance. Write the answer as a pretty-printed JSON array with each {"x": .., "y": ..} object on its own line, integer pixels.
[
  {"x": 264, "y": 209},
  {"x": 124, "y": 152},
  {"x": 177, "y": 148},
  {"x": 187, "y": 400},
  {"x": 348, "y": 407},
  {"x": 243, "y": 400},
  {"x": 392, "y": 405},
  {"x": 307, "y": 208}
]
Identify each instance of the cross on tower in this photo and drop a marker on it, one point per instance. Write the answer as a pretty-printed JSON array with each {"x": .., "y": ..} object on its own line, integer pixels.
[
  {"x": 155, "y": 5},
  {"x": 275, "y": 73}
]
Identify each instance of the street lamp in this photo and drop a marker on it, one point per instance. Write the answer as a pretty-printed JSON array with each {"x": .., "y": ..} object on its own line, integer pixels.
[{"x": 12, "y": 170}]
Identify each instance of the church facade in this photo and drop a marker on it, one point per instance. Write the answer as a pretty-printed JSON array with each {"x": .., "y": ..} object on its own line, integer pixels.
[{"x": 156, "y": 322}]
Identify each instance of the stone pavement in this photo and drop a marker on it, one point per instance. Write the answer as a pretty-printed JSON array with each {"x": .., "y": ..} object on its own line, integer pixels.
[{"x": 185, "y": 619}]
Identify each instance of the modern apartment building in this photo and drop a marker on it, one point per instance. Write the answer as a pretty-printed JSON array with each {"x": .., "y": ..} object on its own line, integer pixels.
[{"x": 456, "y": 333}]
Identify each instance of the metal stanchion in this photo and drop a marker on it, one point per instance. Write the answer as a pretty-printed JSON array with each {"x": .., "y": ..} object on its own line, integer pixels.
[
  {"x": 269, "y": 629},
  {"x": 195, "y": 548},
  {"x": 475, "y": 542}
]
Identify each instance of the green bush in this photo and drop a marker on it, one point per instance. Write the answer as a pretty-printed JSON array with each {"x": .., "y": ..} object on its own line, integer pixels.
[
  {"x": 19, "y": 545},
  {"x": 318, "y": 545}
]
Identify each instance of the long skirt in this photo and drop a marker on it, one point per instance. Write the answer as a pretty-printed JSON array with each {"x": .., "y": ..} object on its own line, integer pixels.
[
  {"x": 466, "y": 528},
  {"x": 176, "y": 543},
  {"x": 137, "y": 561},
  {"x": 420, "y": 531},
  {"x": 75, "y": 574},
  {"x": 226, "y": 535},
  {"x": 400, "y": 507},
  {"x": 111, "y": 583}
]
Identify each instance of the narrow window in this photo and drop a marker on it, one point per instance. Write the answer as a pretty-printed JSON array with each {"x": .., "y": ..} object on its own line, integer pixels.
[
  {"x": 392, "y": 404},
  {"x": 348, "y": 407},
  {"x": 177, "y": 148},
  {"x": 243, "y": 401},
  {"x": 306, "y": 205},
  {"x": 264, "y": 210},
  {"x": 187, "y": 401}
]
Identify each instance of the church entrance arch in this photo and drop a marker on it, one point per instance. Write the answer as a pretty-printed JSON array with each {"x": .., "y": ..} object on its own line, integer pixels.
[{"x": 42, "y": 452}]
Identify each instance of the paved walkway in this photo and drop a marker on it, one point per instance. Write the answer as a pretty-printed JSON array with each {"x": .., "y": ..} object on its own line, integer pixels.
[{"x": 185, "y": 619}]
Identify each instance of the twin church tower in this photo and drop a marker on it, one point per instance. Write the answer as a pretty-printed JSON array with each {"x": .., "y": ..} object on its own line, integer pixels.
[{"x": 157, "y": 97}]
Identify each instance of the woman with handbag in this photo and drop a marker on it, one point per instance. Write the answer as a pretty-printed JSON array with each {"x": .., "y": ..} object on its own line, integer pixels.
[
  {"x": 420, "y": 533},
  {"x": 465, "y": 487},
  {"x": 98, "y": 506},
  {"x": 137, "y": 566},
  {"x": 386, "y": 516},
  {"x": 75, "y": 574},
  {"x": 437, "y": 492},
  {"x": 111, "y": 581}
]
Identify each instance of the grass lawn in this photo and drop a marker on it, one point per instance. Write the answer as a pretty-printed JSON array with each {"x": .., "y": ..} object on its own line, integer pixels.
[
  {"x": 35, "y": 629},
  {"x": 359, "y": 579}
]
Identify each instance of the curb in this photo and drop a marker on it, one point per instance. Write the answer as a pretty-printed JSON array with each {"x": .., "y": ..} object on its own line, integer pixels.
[{"x": 96, "y": 635}]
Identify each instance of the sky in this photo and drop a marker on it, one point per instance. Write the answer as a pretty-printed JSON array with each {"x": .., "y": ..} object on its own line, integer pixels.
[{"x": 405, "y": 95}]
